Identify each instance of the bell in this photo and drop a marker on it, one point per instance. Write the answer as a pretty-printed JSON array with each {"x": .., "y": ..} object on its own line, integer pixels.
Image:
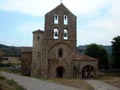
[
  {"x": 65, "y": 17},
  {"x": 65, "y": 34},
  {"x": 55, "y": 17},
  {"x": 56, "y": 34}
]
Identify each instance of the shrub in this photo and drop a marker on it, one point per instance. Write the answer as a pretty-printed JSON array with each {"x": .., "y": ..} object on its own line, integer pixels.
[
  {"x": 2, "y": 77},
  {"x": 11, "y": 82}
]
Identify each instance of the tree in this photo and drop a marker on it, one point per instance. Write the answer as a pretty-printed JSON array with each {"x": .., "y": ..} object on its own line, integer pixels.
[
  {"x": 0, "y": 59},
  {"x": 100, "y": 53},
  {"x": 116, "y": 52}
]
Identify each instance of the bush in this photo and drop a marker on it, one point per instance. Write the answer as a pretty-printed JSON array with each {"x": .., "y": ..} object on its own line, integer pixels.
[
  {"x": 11, "y": 82},
  {"x": 111, "y": 71},
  {"x": 18, "y": 87},
  {"x": 2, "y": 78}
]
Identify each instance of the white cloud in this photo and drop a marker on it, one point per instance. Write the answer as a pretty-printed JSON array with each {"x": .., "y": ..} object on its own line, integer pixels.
[
  {"x": 86, "y": 36},
  {"x": 33, "y": 7},
  {"x": 100, "y": 30},
  {"x": 16, "y": 42},
  {"x": 23, "y": 35},
  {"x": 110, "y": 24},
  {"x": 115, "y": 10},
  {"x": 40, "y": 7},
  {"x": 26, "y": 29},
  {"x": 86, "y": 7}
]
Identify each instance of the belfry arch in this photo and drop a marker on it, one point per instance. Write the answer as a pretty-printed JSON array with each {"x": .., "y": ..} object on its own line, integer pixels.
[{"x": 87, "y": 71}]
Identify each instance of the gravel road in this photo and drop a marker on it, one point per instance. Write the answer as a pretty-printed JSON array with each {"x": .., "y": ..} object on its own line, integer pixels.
[
  {"x": 36, "y": 84},
  {"x": 99, "y": 85}
]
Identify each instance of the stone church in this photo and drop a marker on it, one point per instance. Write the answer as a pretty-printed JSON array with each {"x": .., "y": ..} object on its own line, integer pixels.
[{"x": 54, "y": 53}]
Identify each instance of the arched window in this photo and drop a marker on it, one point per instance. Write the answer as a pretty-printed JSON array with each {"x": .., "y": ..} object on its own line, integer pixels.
[
  {"x": 65, "y": 20},
  {"x": 55, "y": 19},
  {"x": 38, "y": 37},
  {"x": 60, "y": 52},
  {"x": 65, "y": 35},
  {"x": 55, "y": 35},
  {"x": 38, "y": 53}
]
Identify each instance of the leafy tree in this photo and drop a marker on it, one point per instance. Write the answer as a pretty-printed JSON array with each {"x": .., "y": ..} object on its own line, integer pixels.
[
  {"x": 116, "y": 52},
  {"x": 100, "y": 53},
  {"x": 0, "y": 60}
]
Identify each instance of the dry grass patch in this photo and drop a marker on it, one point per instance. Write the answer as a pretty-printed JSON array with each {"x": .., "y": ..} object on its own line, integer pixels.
[
  {"x": 115, "y": 81},
  {"x": 111, "y": 79},
  {"x": 6, "y": 86},
  {"x": 9, "y": 84},
  {"x": 73, "y": 82}
]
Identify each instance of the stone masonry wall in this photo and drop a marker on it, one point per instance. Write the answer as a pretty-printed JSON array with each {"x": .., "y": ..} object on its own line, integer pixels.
[{"x": 26, "y": 60}]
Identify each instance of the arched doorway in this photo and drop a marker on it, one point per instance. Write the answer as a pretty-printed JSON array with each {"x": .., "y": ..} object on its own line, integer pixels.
[
  {"x": 87, "y": 71},
  {"x": 59, "y": 72}
]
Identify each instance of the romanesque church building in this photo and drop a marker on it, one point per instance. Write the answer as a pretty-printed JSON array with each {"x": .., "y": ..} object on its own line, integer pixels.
[{"x": 54, "y": 53}]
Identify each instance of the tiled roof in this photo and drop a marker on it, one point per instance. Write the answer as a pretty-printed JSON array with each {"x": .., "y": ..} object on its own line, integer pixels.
[
  {"x": 38, "y": 31},
  {"x": 26, "y": 49},
  {"x": 61, "y": 7},
  {"x": 84, "y": 58}
]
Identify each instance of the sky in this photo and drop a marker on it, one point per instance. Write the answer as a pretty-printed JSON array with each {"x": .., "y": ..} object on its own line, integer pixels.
[{"x": 98, "y": 21}]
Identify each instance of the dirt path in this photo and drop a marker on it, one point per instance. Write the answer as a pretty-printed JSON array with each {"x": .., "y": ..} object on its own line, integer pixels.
[
  {"x": 98, "y": 85},
  {"x": 35, "y": 84}
]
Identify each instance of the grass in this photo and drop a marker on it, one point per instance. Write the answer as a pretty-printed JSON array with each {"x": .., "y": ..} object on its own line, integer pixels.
[
  {"x": 10, "y": 70},
  {"x": 73, "y": 82},
  {"x": 111, "y": 78},
  {"x": 78, "y": 83},
  {"x": 2, "y": 77},
  {"x": 9, "y": 84}
]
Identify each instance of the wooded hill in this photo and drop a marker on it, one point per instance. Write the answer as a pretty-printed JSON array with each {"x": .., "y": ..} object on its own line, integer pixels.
[{"x": 12, "y": 50}]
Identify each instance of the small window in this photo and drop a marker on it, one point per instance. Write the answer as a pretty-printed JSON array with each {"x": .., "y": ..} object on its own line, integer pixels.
[
  {"x": 55, "y": 19},
  {"x": 38, "y": 37},
  {"x": 55, "y": 35},
  {"x": 38, "y": 53},
  {"x": 65, "y": 35},
  {"x": 60, "y": 52},
  {"x": 65, "y": 20}
]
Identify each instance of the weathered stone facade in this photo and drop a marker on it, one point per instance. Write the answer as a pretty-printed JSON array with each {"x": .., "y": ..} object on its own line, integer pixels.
[
  {"x": 26, "y": 60},
  {"x": 54, "y": 53}
]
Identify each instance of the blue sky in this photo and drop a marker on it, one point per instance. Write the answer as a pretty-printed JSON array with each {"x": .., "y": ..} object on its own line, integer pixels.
[{"x": 98, "y": 21}]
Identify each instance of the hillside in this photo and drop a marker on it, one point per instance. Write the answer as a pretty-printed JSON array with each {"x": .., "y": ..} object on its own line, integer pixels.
[
  {"x": 81, "y": 49},
  {"x": 10, "y": 50},
  {"x": 3, "y": 46}
]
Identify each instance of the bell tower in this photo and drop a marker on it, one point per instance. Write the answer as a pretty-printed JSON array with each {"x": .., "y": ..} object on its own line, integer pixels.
[
  {"x": 60, "y": 26},
  {"x": 59, "y": 41},
  {"x": 53, "y": 49}
]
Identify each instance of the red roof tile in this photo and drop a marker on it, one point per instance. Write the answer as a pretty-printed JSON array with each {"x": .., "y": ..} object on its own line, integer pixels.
[
  {"x": 84, "y": 58},
  {"x": 38, "y": 31}
]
